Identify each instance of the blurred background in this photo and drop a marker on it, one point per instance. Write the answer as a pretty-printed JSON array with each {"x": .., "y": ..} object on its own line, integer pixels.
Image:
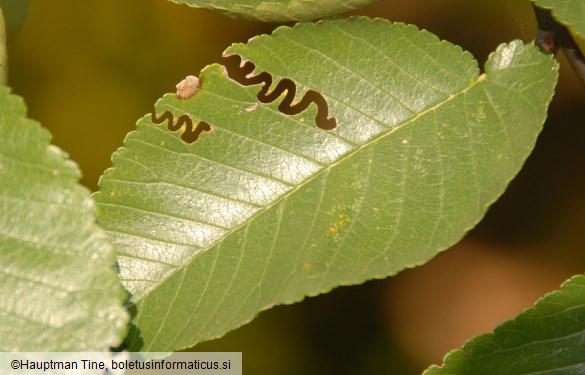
[{"x": 89, "y": 69}]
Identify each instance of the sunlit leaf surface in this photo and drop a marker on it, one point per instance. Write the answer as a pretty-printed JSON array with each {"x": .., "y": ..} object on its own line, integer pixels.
[
  {"x": 546, "y": 339},
  {"x": 278, "y": 10},
  {"x": 59, "y": 290},
  {"x": 266, "y": 208}
]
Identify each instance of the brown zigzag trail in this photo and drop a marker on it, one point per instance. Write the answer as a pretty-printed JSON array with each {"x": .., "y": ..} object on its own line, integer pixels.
[
  {"x": 241, "y": 73},
  {"x": 190, "y": 134}
]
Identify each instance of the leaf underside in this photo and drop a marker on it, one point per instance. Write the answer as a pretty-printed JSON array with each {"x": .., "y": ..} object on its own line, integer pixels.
[
  {"x": 58, "y": 286},
  {"x": 570, "y": 13},
  {"x": 546, "y": 339},
  {"x": 267, "y": 208},
  {"x": 278, "y": 10}
]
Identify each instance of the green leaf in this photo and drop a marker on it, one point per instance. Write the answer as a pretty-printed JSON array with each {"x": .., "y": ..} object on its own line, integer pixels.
[
  {"x": 546, "y": 339},
  {"x": 15, "y": 14},
  {"x": 3, "y": 57},
  {"x": 59, "y": 289},
  {"x": 570, "y": 13},
  {"x": 278, "y": 10},
  {"x": 267, "y": 208}
]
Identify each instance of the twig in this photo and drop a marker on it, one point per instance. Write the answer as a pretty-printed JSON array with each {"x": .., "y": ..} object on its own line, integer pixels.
[{"x": 552, "y": 36}]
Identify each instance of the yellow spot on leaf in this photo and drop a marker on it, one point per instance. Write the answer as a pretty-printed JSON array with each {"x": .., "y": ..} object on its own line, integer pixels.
[{"x": 338, "y": 225}]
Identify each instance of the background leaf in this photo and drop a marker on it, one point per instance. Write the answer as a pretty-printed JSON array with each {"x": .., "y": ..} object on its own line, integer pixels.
[
  {"x": 15, "y": 13},
  {"x": 268, "y": 208},
  {"x": 546, "y": 339},
  {"x": 569, "y": 12},
  {"x": 3, "y": 64},
  {"x": 278, "y": 10},
  {"x": 59, "y": 289}
]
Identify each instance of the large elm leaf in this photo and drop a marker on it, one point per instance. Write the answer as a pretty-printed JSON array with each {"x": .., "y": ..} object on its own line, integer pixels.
[
  {"x": 59, "y": 289},
  {"x": 569, "y": 12},
  {"x": 278, "y": 10},
  {"x": 546, "y": 339},
  {"x": 267, "y": 208}
]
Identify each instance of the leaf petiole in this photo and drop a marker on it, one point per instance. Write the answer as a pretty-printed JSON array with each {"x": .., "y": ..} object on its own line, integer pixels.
[{"x": 552, "y": 35}]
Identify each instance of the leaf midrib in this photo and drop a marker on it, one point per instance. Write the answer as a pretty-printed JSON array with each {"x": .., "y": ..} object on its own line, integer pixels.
[{"x": 326, "y": 168}]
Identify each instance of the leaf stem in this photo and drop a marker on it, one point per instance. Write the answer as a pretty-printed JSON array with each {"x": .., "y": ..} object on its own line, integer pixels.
[{"x": 552, "y": 35}]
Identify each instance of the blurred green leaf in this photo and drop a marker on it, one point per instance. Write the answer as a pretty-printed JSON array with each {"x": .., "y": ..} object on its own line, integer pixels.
[
  {"x": 278, "y": 10},
  {"x": 569, "y": 12},
  {"x": 546, "y": 339},
  {"x": 59, "y": 289},
  {"x": 268, "y": 208},
  {"x": 3, "y": 63},
  {"x": 15, "y": 14}
]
